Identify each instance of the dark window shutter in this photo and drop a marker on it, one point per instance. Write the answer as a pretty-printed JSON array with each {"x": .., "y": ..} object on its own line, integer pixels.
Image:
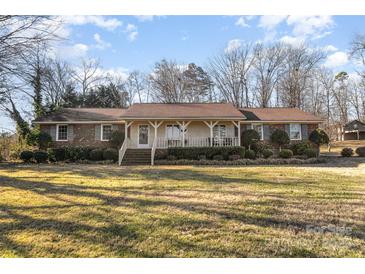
[
  {"x": 70, "y": 132},
  {"x": 52, "y": 132},
  {"x": 267, "y": 132},
  {"x": 98, "y": 132},
  {"x": 304, "y": 132}
]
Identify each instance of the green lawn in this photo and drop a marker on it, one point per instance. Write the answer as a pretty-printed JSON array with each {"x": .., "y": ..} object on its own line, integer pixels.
[{"x": 181, "y": 211}]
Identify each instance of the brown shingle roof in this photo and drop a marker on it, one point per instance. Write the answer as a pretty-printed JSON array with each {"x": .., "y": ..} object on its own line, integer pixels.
[
  {"x": 182, "y": 111},
  {"x": 279, "y": 114},
  {"x": 83, "y": 115}
]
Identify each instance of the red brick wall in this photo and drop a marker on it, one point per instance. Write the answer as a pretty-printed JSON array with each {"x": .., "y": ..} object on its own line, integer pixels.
[{"x": 83, "y": 135}]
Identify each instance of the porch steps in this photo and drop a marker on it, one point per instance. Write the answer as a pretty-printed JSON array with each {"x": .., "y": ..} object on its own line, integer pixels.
[{"x": 137, "y": 157}]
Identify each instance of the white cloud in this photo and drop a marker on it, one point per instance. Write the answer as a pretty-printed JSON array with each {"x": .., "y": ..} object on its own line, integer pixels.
[
  {"x": 97, "y": 20},
  {"x": 72, "y": 52},
  {"x": 100, "y": 43},
  {"x": 132, "y": 32},
  {"x": 269, "y": 22},
  {"x": 291, "y": 40},
  {"x": 145, "y": 18},
  {"x": 242, "y": 21},
  {"x": 310, "y": 25},
  {"x": 233, "y": 45},
  {"x": 116, "y": 73},
  {"x": 329, "y": 48},
  {"x": 337, "y": 59}
]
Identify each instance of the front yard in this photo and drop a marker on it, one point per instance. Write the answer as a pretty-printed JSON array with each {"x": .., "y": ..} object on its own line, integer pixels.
[{"x": 182, "y": 211}]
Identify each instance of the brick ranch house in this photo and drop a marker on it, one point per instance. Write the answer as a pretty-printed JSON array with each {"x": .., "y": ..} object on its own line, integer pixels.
[{"x": 152, "y": 126}]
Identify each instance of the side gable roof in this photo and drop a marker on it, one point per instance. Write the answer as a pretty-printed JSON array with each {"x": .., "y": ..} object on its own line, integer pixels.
[
  {"x": 183, "y": 111},
  {"x": 279, "y": 115},
  {"x": 82, "y": 115},
  {"x": 355, "y": 125}
]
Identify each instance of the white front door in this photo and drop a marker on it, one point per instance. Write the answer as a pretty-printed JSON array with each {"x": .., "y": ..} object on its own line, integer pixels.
[{"x": 143, "y": 133}]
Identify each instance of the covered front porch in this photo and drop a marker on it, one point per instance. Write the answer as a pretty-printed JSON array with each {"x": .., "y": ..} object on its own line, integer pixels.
[{"x": 181, "y": 133}]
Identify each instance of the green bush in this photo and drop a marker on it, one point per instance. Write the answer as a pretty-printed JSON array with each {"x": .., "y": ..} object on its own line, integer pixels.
[
  {"x": 300, "y": 147},
  {"x": 319, "y": 137},
  {"x": 286, "y": 153},
  {"x": 360, "y": 151},
  {"x": 194, "y": 153},
  {"x": 40, "y": 156},
  {"x": 250, "y": 154},
  {"x": 280, "y": 137},
  {"x": 266, "y": 153},
  {"x": 218, "y": 157},
  {"x": 110, "y": 154},
  {"x": 234, "y": 157},
  {"x": 310, "y": 153},
  {"x": 77, "y": 153},
  {"x": 260, "y": 146},
  {"x": 117, "y": 139},
  {"x": 161, "y": 154},
  {"x": 26, "y": 155},
  {"x": 1, "y": 158},
  {"x": 96, "y": 155},
  {"x": 249, "y": 137},
  {"x": 39, "y": 138},
  {"x": 56, "y": 154},
  {"x": 347, "y": 152}
]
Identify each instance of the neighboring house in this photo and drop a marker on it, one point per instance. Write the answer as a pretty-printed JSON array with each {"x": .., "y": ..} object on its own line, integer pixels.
[
  {"x": 354, "y": 130},
  {"x": 158, "y": 126}
]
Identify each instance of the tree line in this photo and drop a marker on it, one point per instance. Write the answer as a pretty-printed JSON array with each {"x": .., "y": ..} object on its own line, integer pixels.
[{"x": 34, "y": 82}]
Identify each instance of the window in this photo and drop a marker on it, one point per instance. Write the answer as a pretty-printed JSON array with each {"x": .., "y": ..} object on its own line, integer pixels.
[
  {"x": 295, "y": 132},
  {"x": 173, "y": 132},
  {"x": 260, "y": 129},
  {"x": 219, "y": 131},
  {"x": 106, "y": 132},
  {"x": 62, "y": 132}
]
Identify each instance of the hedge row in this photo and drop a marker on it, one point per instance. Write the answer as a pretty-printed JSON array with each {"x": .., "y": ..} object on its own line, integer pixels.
[
  {"x": 243, "y": 162},
  {"x": 348, "y": 152},
  {"x": 71, "y": 154},
  {"x": 196, "y": 153}
]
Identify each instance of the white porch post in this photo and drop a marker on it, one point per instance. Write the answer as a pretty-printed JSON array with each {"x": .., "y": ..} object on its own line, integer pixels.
[
  {"x": 126, "y": 126},
  {"x": 183, "y": 126},
  {"x": 211, "y": 125},
  {"x": 155, "y": 125},
  {"x": 238, "y": 125}
]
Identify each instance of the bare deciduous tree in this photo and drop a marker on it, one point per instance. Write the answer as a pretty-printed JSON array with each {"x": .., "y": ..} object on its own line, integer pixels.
[{"x": 230, "y": 74}]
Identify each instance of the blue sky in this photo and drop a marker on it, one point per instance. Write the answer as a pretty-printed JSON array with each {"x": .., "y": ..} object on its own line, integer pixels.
[{"x": 125, "y": 43}]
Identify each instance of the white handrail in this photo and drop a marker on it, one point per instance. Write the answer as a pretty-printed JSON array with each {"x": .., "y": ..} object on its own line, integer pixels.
[
  {"x": 122, "y": 150},
  {"x": 197, "y": 142},
  {"x": 153, "y": 150}
]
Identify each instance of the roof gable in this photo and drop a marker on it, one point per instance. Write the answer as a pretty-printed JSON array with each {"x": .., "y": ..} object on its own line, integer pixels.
[{"x": 355, "y": 125}]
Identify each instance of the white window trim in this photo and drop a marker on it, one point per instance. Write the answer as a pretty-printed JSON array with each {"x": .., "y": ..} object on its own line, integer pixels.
[
  {"x": 300, "y": 132},
  {"x": 57, "y": 126},
  {"x": 180, "y": 134},
  {"x": 262, "y": 129},
  {"x": 102, "y": 132}
]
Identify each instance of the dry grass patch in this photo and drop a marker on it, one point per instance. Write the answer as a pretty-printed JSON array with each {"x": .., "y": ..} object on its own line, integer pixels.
[{"x": 181, "y": 211}]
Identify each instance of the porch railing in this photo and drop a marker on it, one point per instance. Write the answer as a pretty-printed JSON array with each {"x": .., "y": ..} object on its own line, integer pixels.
[
  {"x": 122, "y": 150},
  {"x": 197, "y": 142}
]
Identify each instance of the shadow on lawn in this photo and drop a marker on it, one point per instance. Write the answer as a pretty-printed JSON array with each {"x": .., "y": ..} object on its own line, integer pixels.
[{"x": 130, "y": 234}]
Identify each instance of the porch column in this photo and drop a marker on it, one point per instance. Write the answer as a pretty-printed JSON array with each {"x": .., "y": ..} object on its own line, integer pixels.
[
  {"x": 155, "y": 125},
  {"x": 238, "y": 125},
  {"x": 211, "y": 125},
  {"x": 126, "y": 126},
  {"x": 183, "y": 127}
]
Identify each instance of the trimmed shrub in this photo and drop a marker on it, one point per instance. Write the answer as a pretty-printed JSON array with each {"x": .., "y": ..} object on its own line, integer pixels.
[
  {"x": 234, "y": 157},
  {"x": 202, "y": 157},
  {"x": 300, "y": 147},
  {"x": 218, "y": 157},
  {"x": 260, "y": 146},
  {"x": 286, "y": 153},
  {"x": 193, "y": 153},
  {"x": 249, "y": 137},
  {"x": 347, "y": 152},
  {"x": 267, "y": 153},
  {"x": 96, "y": 155},
  {"x": 171, "y": 157},
  {"x": 161, "y": 154},
  {"x": 110, "y": 154},
  {"x": 310, "y": 153},
  {"x": 56, "y": 154},
  {"x": 40, "y": 156},
  {"x": 77, "y": 153},
  {"x": 26, "y": 155},
  {"x": 117, "y": 139},
  {"x": 319, "y": 137},
  {"x": 250, "y": 154},
  {"x": 279, "y": 137},
  {"x": 360, "y": 151}
]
